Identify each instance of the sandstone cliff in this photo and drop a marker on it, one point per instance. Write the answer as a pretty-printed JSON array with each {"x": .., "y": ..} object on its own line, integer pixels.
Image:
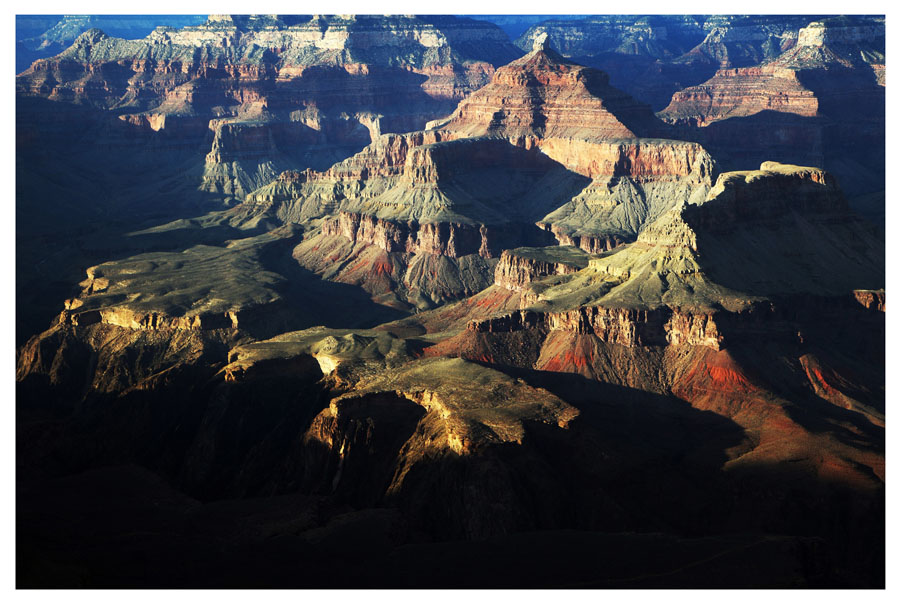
[
  {"x": 533, "y": 97},
  {"x": 519, "y": 267}
]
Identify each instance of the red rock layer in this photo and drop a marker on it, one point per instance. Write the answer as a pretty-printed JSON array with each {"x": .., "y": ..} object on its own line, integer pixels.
[
  {"x": 544, "y": 95},
  {"x": 629, "y": 327},
  {"x": 784, "y": 321},
  {"x": 742, "y": 92},
  {"x": 642, "y": 160}
]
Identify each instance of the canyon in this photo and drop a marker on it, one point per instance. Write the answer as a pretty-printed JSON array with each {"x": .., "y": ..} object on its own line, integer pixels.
[{"x": 372, "y": 301}]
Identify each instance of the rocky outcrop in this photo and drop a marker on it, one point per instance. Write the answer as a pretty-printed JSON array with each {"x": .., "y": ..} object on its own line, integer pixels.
[
  {"x": 582, "y": 340},
  {"x": 640, "y": 160},
  {"x": 447, "y": 239},
  {"x": 455, "y": 412},
  {"x": 247, "y": 52},
  {"x": 128, "y": 318},
  {"x": 81, "y": 361},
  {"x": 759, "y": 195},
  {"x": 388, "y": 156},
  {"x": 742, "y": 92},
  {"x": 628, "y": 327},
  {"x": 871, "y": 299},
  {"x": 518, "y": 268},
  {"x": 593, "y": 244},
  {"x": 296, "y": 196},
  {"x": 858, "y": 39},
  {"x": 452, "y": 240},
  {"x": 235, "y": 147},
  {"x": 249, "y": 153},
  {"x": 543, "y": 95},
  {"x": 652, "y": 57}
]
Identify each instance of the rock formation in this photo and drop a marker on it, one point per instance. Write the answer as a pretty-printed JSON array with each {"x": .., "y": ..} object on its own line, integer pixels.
[
  {"x": 594, "y": 186},
  {"x": 53, "y": 35},
  {"x": 749, "y": 90},
  {"x": 519, "y": 267},
  {"x": 320, "y": 84},
  {"x": 780, "y": 83},
  {"x": 653, "y": 57},
  {"x": 819, "y": 102},
  {"x": 460, "y": 307}
]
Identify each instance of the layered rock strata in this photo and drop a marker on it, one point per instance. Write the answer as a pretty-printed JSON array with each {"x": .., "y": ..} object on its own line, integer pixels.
[
  {"x": 582, "y": 184},
  {"x": 519, "y": 267},
  {"x": 678, "y": 283},
  {"x": 742, "y": 92},
  {"x": 249, "y": 53},
  {"x": 762, "y": 321},
  {"x": 653, "y": 57},
  {"x": 722, "y": 358},
  {"x": 820, "y": 102},
  {"x": 451, "y": 240},
  {"x": 628, "y": 327},
  {"x": 304, "y": 82}
]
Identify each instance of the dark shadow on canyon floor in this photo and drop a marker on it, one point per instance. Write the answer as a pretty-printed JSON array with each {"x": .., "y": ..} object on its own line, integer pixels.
[{"x": 631, "y": 495}]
